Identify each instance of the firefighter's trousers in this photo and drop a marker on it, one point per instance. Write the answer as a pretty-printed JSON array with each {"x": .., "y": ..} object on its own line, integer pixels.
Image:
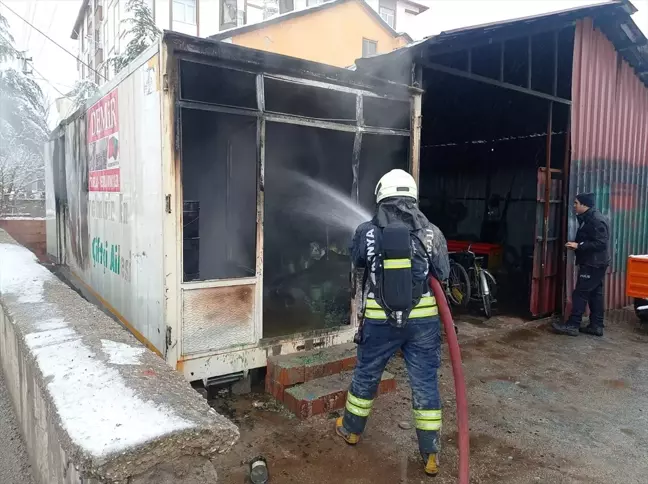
[{"x": 420, "y": 341}]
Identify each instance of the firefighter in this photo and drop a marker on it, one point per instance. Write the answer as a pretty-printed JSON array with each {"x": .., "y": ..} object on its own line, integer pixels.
[{"x": 398, "y": 248}]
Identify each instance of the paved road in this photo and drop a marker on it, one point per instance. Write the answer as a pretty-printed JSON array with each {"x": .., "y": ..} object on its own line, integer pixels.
[
  {"x": 14, "y": 465},
  {"x": 543, "y": 409}
]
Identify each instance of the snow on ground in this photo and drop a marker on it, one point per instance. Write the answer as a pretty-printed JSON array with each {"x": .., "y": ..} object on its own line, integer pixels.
[{"x": 100, "y": 412}]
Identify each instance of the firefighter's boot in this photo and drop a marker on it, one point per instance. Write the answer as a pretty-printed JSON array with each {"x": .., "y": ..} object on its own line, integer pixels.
[
  {"x": 431, "y": 464},
  {"x": 349, "y": 437}
]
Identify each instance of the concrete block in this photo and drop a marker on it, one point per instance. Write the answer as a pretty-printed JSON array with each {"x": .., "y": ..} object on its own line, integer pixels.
[
  {"x": 94, "y": 405},
  {"x": 326, "y": 394}
]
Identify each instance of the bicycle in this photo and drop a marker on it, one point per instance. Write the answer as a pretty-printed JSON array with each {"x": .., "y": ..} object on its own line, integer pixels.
[
  {"x": 481, "y": 286},
  {"x": 458, "y": 285}
]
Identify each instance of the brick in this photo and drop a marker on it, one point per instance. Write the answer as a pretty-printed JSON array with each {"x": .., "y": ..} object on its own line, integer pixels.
[
  {"x": 275, "y": 389},
  {"x": 326, "y": 394},
  {"x": 301, "y": 367}
]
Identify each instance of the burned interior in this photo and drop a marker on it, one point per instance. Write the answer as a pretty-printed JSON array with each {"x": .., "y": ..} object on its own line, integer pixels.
[
  {"x": 495, "y": 117},
  {"x": 297, "y": 154}
]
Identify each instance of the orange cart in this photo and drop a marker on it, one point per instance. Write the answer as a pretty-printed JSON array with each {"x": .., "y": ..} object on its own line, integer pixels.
[{"x": 637, "y": 284}]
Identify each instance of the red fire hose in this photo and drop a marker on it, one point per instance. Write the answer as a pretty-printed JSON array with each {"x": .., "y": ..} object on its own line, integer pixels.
[{"x": 460, "y": 383}]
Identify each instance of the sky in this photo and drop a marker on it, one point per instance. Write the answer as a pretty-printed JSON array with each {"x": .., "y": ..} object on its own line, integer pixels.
[
  {"x": 453, "y": 14},
  {"x": 56, "y": 71}
]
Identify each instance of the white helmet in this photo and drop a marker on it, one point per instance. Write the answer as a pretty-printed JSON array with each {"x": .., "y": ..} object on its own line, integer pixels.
[{"x": 396, "y": 183}]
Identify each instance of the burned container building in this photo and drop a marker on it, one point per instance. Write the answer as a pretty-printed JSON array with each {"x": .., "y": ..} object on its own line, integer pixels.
[
  {"x": 213, "y": 216},
  {"x": 516, "y": 118}
]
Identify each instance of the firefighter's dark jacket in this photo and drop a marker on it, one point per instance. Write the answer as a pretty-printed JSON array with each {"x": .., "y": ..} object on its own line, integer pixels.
[{"x": 593, "y": 239}]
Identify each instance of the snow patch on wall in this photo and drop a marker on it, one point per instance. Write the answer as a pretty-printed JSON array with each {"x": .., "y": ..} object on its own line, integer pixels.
[
  {"x": 50, "y": 324},
  {"x": 53, "y": 337},
  {"x": 100, "y": 413},
  {"x": 121, "y": 353},
  {"x": 21, "y": 275}
]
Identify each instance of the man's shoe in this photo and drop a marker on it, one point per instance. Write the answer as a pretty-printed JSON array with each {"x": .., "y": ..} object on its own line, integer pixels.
[
  {"x": 431, "y": 464},
  {"x": 560, "y": 328},
  {"x": 593, "y": 330},
  {"x": 349, "y": 437}
]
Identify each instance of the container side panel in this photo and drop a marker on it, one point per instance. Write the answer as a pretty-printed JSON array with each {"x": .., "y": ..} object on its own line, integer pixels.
[
  {"x": 115, "y": 203},
  {"x": 609, "y": 143},
  {"x": 217, "y": 317}
]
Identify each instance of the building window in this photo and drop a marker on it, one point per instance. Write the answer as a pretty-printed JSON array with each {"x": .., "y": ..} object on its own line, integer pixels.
[
  {"x": 254, "y": 13},
  {"x": 312, "y": 3},
  {"x": 105, "y": 39},
  {"x": 184, "y": 11},
  {"x": 388, "y": 15},
  {"x": 228, "y": 14},
  {"x": 286, "y": 6},
  {"x": 369, "y": 47}
]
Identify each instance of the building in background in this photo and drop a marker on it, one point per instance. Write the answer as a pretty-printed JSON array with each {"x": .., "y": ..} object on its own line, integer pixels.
[
  {"x": 335, "y": 33},
  {"x": 101, "y": 34}
]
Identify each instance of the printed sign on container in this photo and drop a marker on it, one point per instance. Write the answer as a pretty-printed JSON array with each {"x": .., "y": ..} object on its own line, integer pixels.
[{"x": 103, "y": 144}]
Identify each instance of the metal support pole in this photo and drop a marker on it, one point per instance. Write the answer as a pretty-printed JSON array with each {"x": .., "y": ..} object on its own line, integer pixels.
[
  {"x": 530, "y": 70},
  {"x": 502, "y": 55},
  {"x": 416, "y": 124},
  {"x": 547, "y": 213}
]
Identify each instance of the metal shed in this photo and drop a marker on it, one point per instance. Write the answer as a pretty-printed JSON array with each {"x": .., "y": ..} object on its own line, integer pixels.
[{"x": 583, "y": 73}]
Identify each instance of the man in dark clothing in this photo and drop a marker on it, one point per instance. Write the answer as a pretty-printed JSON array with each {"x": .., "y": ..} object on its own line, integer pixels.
[{"x": 592, "y": 258}]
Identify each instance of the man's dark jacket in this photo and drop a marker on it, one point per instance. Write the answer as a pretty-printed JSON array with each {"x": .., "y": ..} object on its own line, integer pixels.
[{"x": 593, "y": 239}]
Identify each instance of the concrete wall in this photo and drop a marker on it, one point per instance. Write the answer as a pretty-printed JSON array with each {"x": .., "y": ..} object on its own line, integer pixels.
[
  {"x": 332, "y": 35},
  {"x": 94, "y": 405}
]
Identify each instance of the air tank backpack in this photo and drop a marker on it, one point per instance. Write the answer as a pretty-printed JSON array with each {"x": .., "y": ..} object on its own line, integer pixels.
[{"x": 395, "y": 292}]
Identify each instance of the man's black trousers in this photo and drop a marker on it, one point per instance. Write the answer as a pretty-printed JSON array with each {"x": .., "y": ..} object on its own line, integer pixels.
[{"x": 588, "y": 290}]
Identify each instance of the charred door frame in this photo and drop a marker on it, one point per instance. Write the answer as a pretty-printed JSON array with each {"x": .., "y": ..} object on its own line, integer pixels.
[{"x": 263, "y": 116}]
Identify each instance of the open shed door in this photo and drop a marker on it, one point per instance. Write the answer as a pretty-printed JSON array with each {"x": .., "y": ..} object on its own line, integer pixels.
[{"x": 547, "y": 250}]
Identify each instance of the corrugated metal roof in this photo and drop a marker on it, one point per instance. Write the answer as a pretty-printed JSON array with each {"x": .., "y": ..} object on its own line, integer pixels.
[
  {"x": 623, "y": 33},
  {"x": 610, "y": 150}
]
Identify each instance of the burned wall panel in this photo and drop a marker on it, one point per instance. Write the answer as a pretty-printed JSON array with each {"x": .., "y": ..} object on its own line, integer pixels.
[
  {"x": 309, "y": 101},
  {"x": 219, "y": 191},
  {"x": 379, "y": 154},
  {"x": 227, "y": 87},
  {"x": 307, "y": 228}
]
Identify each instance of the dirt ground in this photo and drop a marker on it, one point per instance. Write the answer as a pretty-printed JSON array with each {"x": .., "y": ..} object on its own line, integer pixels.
[{"x": 543, "y": 408}]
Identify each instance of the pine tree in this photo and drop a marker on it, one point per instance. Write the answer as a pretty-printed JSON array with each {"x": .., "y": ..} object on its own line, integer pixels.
[
  {"x": 141, "y": 31},
  {"x": 7, "y": 51},
  {"x": 82, "y": 91}
]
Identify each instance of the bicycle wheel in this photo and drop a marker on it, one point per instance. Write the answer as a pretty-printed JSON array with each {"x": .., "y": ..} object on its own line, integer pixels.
[
  {"x": 458, "y": 285},
  {"x": 492, "y": 285},
  {"x": 486, "y": 303},
  {"x": 488, "y": 299}
]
